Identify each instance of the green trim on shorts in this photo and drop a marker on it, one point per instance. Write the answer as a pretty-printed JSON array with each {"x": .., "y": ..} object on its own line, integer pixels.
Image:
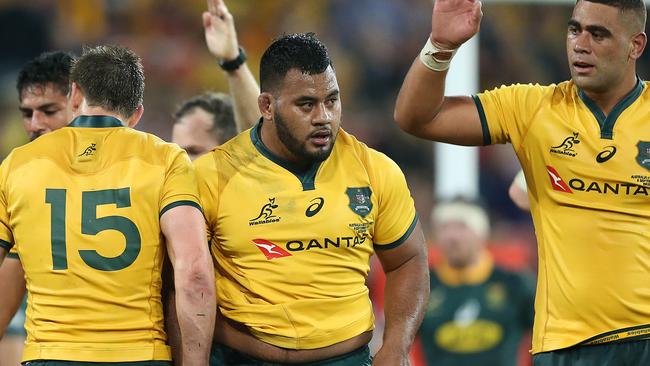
[
  {"x": 81, "y": 363},
  {"x": 224, "y": 355}
]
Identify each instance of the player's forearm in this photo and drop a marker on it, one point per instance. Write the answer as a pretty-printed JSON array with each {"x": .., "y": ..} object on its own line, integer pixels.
[
  {"x": 12, "y": 288},
  {"x": 195, "y": 309},
  {"x": 244, "y": 91},
  {"x": 406, "y": 295},
  {"x": 420, "y": 98}
]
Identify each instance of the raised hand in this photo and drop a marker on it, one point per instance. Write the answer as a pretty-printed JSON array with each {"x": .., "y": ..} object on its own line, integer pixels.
[
  {"x": 454, "y": 22},
  {"x": 220, "y": 34}
]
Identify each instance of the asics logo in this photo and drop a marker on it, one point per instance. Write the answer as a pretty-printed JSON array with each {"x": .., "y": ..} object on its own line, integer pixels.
[
  {"x": 606, "y": 154},
  {"x": 315, "y": 207}
]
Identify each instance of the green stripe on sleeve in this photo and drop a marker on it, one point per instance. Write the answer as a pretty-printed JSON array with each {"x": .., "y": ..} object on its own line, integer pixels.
[
  {"x": 180, "y": 203},
  {"x": 487, "y": 140},
  {"x": 12, "y": 255},
  {"x": 402, "y": 239},
  {"x": 5, "y": 244}
]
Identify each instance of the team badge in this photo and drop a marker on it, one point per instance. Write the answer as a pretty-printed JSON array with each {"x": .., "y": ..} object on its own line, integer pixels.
[
  {"x": 643, "y": 157},
  {"x": 360, "y": 200}
]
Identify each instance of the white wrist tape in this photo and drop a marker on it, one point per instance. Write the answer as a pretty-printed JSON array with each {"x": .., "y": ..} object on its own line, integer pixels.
[{"x": 428, "y": 56}]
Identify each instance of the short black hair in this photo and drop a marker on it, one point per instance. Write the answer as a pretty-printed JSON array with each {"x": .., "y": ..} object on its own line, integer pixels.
[
  {"x": 302, "y": 51},
  {"x": 47, "y": 68},
  {"x": 110, "y": 77},
  {"x": 217, "y": 104},
  {"x": 635, "y": 7}
]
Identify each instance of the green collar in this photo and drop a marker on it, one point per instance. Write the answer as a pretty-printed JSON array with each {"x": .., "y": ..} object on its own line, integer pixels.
[
  {"x": 96, "y": 122},
  {"x": 305, "y": 176},
  {"x": 607, "y": 122}
]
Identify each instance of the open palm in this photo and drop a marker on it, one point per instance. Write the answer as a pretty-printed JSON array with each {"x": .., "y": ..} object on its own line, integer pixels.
[{"x": 455, "y": 21}]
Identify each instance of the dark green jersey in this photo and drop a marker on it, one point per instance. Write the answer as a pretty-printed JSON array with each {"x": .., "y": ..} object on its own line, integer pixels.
[{"x": 479, "y": 323}]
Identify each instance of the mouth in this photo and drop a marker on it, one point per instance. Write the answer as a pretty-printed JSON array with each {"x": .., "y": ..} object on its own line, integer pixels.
[
  {"x": 582, "y": 67},
  {"x": 321, "y": 138}
]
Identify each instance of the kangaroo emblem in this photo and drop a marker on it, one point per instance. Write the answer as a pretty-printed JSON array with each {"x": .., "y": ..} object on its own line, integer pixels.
[
  {"x": 568, "y": 142},
  {"x": 89, "y": 150},
  {"x": 267, "y": 210}
]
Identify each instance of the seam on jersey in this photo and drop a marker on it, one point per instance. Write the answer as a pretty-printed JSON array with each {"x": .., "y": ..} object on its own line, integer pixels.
[
  {"x": 180, "y": 203},
  {"x": 5, "y": 244},
  {"x": 293, "y": 325},
  {"x": 487, "y": 139},
  {"x": 152, "y": 330},
  {"x": 402, "y": 239}
]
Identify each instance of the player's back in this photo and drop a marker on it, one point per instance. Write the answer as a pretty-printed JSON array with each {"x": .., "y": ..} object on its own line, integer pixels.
[{"x": 83, "y": 205}]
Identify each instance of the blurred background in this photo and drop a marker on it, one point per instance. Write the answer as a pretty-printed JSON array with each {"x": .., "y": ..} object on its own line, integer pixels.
[{"x": 372, "y": 43}]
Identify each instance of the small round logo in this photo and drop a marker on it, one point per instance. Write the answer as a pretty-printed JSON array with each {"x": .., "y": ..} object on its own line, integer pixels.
[
  {"x": 606, "y": 154},
  {"x": 314, "y": 208}
]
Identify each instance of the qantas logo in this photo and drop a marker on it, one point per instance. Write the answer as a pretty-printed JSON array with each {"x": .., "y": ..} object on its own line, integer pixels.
[
  {"x": 556, "y": 181},
  {"x": 270, "y": 250}
]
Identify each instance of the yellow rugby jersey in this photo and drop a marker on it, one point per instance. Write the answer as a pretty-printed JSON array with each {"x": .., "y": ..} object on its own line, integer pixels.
[
  {"x": 81, "y": 206},
  {"x": 588, "y": 181},
  {"x": 292, "y": 250}
]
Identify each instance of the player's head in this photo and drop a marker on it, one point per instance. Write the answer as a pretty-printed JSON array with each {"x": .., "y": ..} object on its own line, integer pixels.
[
  {"x": 203, "y": 122},
  {"x": 300, "y": 97},
  {"x": 461, "y": 228},
  {"x": 43, "y": 85},
  {"x": 110, "y": 78},
  {"x": 604, "y": 40}
]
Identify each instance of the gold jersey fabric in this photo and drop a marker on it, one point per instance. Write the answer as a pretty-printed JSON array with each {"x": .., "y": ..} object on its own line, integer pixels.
[
  {"x": 292, "y": 249},
  {"x": 588, "y": 181},
  {"x": 81, "y": 207}
]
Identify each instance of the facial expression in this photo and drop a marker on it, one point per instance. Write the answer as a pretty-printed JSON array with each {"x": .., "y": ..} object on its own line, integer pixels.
[
  {"x": 44, "y": 109},
  {"x": 599, "y": 41},
  {"x": 192, "y": 132},
  {"x": 307, "y": 116},
  {"x": 460, "y": 245}
]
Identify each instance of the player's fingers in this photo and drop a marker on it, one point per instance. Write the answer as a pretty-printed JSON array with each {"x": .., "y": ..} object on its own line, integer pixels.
[
  {"x": 207, "y": 19},
  {"x": 212, "y": 6}
]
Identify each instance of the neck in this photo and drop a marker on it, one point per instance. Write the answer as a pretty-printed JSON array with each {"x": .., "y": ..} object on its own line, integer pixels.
[
  {"x": 607, "y": 100},
  {"x": 270, "y": 139}
]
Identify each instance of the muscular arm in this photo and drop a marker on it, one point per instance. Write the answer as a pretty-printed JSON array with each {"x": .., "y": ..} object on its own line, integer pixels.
[
  {"x": 184, "y": 231},
  {"x": 406, "y": 295},
  {"x": 221, "y": 39},
  {"x": 12, "y": 288},
  {"x": 422, "y": 108}
]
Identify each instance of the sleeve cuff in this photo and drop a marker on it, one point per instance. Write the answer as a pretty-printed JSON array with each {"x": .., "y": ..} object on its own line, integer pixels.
[
  {"x": 179, "y": 203},
  {"x": 487, "y": 140},
  {"x": 402, "y": 239},
  {"x": 5, "y": 244}
]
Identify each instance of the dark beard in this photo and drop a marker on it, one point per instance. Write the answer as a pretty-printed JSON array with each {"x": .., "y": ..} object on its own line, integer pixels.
[{"x": 298, "y": 148}]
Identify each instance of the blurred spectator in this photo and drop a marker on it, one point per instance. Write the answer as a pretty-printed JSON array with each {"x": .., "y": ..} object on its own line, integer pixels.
[{"x": 477, "y": 312}]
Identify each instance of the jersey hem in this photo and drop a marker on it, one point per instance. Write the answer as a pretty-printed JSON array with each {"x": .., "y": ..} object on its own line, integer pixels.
[{"x": 86, "y": 352}]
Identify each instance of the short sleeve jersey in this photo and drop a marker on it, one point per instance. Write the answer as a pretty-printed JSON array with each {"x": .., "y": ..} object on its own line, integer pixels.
[
  {"x": 588, "y": 179},
  {"x": 292, "y": 248},
  {"x": 81, "y": 208}
]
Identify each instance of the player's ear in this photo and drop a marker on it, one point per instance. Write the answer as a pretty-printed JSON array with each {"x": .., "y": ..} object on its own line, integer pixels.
[
  {"x": 265, "y": 104},
  {"x": 135, "y": 117},
  {"x": 76, "y": 98},
  {"x": 638, "y": 45}
]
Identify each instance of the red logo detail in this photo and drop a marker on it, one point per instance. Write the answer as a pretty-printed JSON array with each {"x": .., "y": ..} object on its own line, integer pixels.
[
  {"x": 556, "y": 181},
  {"x": 270, "y": 250}
]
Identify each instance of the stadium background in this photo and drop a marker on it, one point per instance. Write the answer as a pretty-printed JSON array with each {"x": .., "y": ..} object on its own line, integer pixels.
[{"x": 372, "y": 43}]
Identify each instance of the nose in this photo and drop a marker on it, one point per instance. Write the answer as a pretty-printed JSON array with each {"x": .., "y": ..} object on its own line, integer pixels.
[
  {"x": 581, "y": 43},
  {"x": 324, "y": 115},
  {"x": 37, "y": 125}
]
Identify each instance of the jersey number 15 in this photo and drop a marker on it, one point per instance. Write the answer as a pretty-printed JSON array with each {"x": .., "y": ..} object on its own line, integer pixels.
[{"x": 93, "y": 225}]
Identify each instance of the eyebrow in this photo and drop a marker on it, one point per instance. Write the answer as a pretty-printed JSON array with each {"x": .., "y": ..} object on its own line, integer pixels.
[
  {"x": 40, "y": 107},
  {"x": 590, "y": 28}
]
